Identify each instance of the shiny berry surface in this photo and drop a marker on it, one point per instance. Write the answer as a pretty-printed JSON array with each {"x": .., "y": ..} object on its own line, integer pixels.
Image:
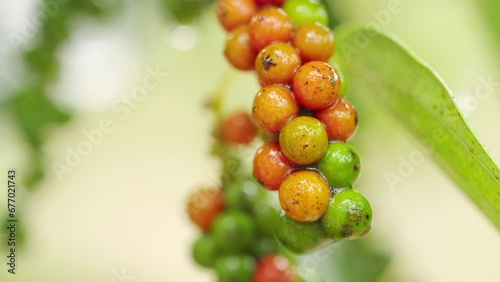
[
  {"x": 316, "y": 85},
  {"x": 270, "y": 24},
  {"x": 315, "y": 42},
  {"x": 270, "y": 166},
  {"x": 348, "y": 216},
  {"x": 304, "y": 195},
  {"x": 304, "y": 140},
  {"x": 238, "y": 51},
  {"x": 340, "y": 120},
  {"x": 340, "y": 165},
  {"x": 277, "y": 63},
  {"x": 306, "y": 11},
  {"x": 273, "y": 107},
  {"x": 233, "y": 13}
]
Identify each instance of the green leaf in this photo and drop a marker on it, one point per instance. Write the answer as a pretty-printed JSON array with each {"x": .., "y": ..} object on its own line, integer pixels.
[
  {"x": 380, "y": 66},
  {"x": 35, "y": 113}
]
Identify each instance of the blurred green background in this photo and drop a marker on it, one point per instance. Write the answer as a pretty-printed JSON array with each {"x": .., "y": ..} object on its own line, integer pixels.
[{"x": 117, "y": 212}]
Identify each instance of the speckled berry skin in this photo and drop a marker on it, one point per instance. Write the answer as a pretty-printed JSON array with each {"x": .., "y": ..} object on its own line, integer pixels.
[
  {"x": 348, "y": 216},
  {"x": 340, "y": 165},
  {"x": 340, "y": 120},
  {"x": 277, "y": 63},
  {"x": 316, "y": 85},
  {"x": 273, "y": 107},
  {"x": 268, "y": 25},
  {"x": 304, "y": 195},
  {"x": 303, "y": 140}
]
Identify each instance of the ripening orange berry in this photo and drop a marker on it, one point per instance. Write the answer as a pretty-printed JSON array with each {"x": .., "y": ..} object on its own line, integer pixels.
[
  {"x": 304, "y": 195},
  {"x": 233, "y": 13},
  {"x": 270, "y": 24},
  {"x": 316, "y": 85},
  {"x": 277, "y": 63},
  {"x": 340, "y": 120},
  {"x": 273, "y": 107},
  {"x": 270, "y": 166},
  {"x": 315, "y": 42}
]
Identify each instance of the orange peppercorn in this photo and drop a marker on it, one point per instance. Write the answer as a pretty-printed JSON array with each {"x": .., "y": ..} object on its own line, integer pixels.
[
  {"x": 273, "y": 107},
  {"x": 277, "y": 63},
  {"x": 304, "y": 195},
  {"x": 233, "y": 13},
  {"x": 270, "y": 24},
  {"x": 315, "y": 42},
  {"x": 204, "y": 206},
  {"x": 239, "y": 52},
  {"x": 340, "y": 120},
  {"x": 270, "y": 166},
  {"x": 238, "y": 128},
  {"x": 316, "y": 85}
]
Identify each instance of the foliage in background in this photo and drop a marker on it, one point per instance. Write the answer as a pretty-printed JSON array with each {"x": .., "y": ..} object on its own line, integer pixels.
[
  {"x": 30, "y": 104},
  {"x": 490, "y": 9}
]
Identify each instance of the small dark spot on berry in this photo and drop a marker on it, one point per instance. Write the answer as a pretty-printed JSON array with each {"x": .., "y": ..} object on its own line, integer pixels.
[
  {"x": 305, "y": 146},
  {"x": 352, "y": 153},
  {"x": 356, "y": 167},
  {"x": 347, "y": 231},
  {"x": 267, "y": 63},
  {"x": 367, "y": 216},
  {"x": 296, "y": 202}
]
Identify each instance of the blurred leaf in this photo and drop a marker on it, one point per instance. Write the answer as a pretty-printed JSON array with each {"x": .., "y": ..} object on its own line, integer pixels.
[
  {"x": 42, "y": 61},
  {"x": 334, "y": 14},
  {"x": 185, "y": 11},
  {"x": 35, "y": 112},
  {"x": 57, "y": 26},
  {"x": 378, "y": 65},
  {"x": 96, "y": 8},
  {"x": 358, "y": 261}
]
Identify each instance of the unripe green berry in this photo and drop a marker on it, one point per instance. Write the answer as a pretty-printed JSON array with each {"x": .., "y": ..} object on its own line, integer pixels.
[
  {"x": 340, "y": 165},
  {"x": 205, "y": 250},
  {"x": 306, "y": 11},
  {"x": 235, "y": 268},
  {"x": 348, "y": 216},
  {"x": 234, "y": 231},
  {"x": 301, "y": 237}
]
